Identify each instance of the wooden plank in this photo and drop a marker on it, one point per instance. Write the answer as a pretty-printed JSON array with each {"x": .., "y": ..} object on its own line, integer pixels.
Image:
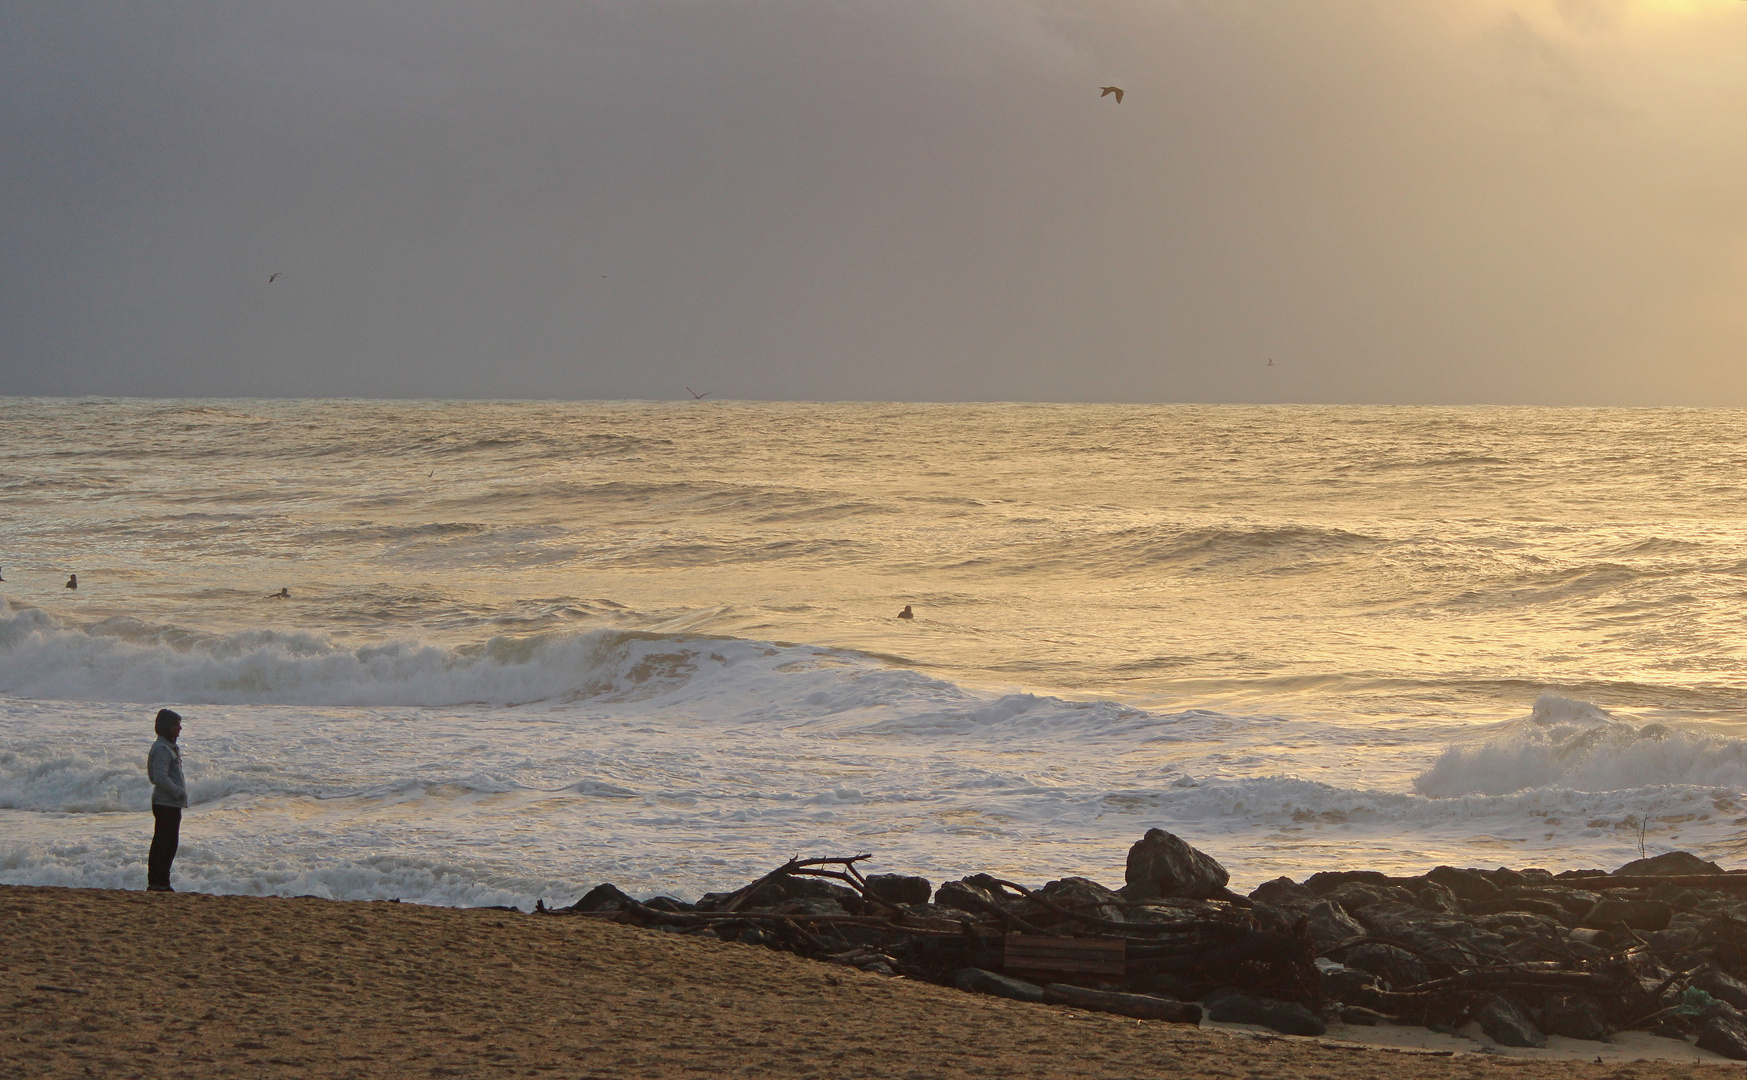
[{"x": 1068, "y": 956}]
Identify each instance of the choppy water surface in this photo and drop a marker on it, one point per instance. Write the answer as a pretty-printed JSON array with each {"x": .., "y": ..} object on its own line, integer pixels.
[{"x": 532, "y": 646}]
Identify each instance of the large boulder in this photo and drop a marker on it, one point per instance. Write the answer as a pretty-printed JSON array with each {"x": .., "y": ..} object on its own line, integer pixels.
[
  {"x": 1575, "y": 1016},
  {"x": 900, "y": 888},
  {"x": 1610, "y": 912},
  {"x": 1283, "y": 893},
  {"x": 1724, "y": 987},
  {"x": 1161, "y": 864},
  {"x": 1082, "y": 896},
  {"x": 603, "y": 897},
  {"x": 1671, "y": 864},
  {"x": 1507, "y": 1025},
  {"x": 1726, "y": 1035},
  {"x": 966, "y": 894},
  {"x": 1330, "y": 927},
  {"x": 1466, "y": 884},
  {"x": 1450, "y": 938},
  {"x": 1326, "y": 881},
  {"x": 1398, "y": 968}
]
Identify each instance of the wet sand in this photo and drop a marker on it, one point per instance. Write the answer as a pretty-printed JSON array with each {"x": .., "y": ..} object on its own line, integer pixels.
[{"x": 100, "y": 983}]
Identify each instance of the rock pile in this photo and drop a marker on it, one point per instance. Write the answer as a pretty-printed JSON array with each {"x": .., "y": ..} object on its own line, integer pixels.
[{"x": 1659, "y": 944}]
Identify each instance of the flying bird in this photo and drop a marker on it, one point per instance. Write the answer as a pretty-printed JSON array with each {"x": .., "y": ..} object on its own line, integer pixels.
[
  {"x": 1270, "y": 361},
  {"x": 697, "y": 396},
  {"x": 270, "y": 277},
  {"x": 1108, "y": 90}
]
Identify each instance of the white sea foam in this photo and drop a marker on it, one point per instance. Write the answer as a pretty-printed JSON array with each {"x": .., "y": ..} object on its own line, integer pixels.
[{"x": 1575, "y": 745}]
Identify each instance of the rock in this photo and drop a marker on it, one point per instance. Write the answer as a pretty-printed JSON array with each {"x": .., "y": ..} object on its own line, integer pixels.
[
  {"x": 1723, "y": 987},
  {"x": 1574, "y": 1016},
  {"x": 1081, "y": 895},
  {"x": 978, "y": 981},
  {"x": 1506, "y": 878},
  {"x": 900, "y": 888},
  {"x": 1450, "y": 938},
  {"x": 1327, "y": 881},
  {"x": 1161, "y": 864},
  {"x": 1286, "y": 1017},
  {"x": 1348, "y": 984},
  {"x": 1396, "y": 967},
  {"x": 1435, "y": 897},
  {"x": 1356, "y": 896},
  {"x": 1584, "y": 935},
  {"x": 1672, "y": 864},
  {"x": 1507, "y": 1025},
  {"x": 1466, "y": 884},
  {"x": 1283, "y": 893},
  {"x": 1511, "y": 925},
  {"x": 1330, "y": 927},
  {"x": 603, "y": 897},
  {"x": 812, "y": 905},
  {"x": 965, "y": 895},
  {"x": 1726, "y": 1036},
  {"x": 1576, "y": 902},
  {"x": 1511, "y": 904},
  {"x": 1138, "y": 1006},
  {"x": 1637, "y": 914},
  {"x": 779, "y": 891}
]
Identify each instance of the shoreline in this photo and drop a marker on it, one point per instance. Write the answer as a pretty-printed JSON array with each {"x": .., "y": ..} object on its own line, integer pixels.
[{"x": 122, "y": 984}]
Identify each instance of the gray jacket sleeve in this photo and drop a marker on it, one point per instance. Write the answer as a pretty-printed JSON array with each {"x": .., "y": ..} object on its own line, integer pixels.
[{"x": 160, "y": 771}]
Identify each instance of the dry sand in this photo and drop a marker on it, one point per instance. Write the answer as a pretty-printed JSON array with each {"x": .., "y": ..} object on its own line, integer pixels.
[{"x": 185, "y": 985}]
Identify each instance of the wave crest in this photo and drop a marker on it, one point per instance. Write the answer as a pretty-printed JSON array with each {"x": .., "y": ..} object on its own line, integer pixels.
[{"x": 1576, "y": 746}]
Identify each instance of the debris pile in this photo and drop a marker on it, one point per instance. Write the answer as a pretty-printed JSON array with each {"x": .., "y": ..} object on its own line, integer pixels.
[{"x": 1658, "y": 945}]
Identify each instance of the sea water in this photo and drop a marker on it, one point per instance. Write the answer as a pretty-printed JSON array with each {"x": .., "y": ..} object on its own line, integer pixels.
[{"x": 530, "y": 647}]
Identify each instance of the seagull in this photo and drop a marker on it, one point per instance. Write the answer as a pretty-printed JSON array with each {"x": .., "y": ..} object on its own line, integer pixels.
[
  {"x": 697, "y": 396},
  {"x": 270, "y": 277},
  {"x": 1108, "y": 90}
]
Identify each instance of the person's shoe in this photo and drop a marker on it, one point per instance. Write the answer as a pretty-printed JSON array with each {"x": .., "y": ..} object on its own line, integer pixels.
[{"x": 159, "y": 888}]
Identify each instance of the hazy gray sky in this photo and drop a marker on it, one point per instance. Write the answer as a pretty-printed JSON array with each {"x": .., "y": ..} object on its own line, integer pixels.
[{"x": 1416, "y": 201}]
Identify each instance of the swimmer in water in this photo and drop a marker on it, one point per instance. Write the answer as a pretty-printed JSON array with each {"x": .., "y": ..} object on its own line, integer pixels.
[
  {"x": 906, "y": 613},
  {"x": 282, "y": 594},
  {"x": 73, "y": 581}
]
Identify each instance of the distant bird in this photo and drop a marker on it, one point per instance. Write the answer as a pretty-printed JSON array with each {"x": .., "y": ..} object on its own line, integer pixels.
[
  {"x": 73, "y": 581},
  {"x": 283, "y": 594},
  {"x": 697, "y": 396},
  {"x": 1108, "y": 90},
  {"x": 1270, "y": 361},
  {"x": 906, "y": 613},
  {"x": 271, "y": 277}
]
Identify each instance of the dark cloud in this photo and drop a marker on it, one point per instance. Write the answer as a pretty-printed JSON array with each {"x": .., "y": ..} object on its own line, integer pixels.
[{"x": 805, "y": 199}]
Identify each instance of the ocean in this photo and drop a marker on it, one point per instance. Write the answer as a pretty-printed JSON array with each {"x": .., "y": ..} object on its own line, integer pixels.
[{"x": 532, "y": 646}]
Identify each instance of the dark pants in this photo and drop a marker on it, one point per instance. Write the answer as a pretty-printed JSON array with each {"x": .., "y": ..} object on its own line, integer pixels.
[{"x": 166, "y": 824}]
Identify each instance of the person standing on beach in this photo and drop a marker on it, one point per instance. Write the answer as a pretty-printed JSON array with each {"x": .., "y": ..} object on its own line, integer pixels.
[{"x": 169, "y": 796}]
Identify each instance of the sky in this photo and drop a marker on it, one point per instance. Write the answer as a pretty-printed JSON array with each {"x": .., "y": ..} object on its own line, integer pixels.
[{"x": 1397, "y": 201}]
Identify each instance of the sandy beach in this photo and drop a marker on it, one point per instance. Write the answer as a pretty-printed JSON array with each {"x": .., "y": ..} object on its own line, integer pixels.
[{"x": 102, "y": 983}]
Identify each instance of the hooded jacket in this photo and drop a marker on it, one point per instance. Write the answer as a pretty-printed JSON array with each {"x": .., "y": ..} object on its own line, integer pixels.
[{"x": 164, "y": 769}]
